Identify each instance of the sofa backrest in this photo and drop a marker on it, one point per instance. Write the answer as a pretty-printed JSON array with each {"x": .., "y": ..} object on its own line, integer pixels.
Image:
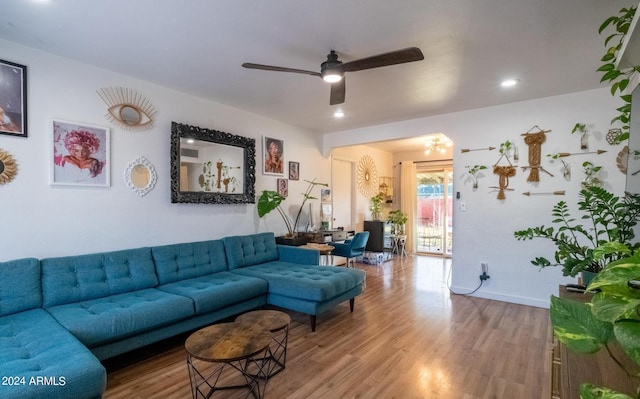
[
  {"x": 82, "y": 277},
  {"x": 19, "y": 285},
  {"x": 183, "y": 261},
  {"x": 250, "y": 249}
]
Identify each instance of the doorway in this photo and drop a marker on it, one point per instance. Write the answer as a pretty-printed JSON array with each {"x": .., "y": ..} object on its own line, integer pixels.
[
  {"x": 342, "y": 172},
  {"x": 434, "y": 208}
]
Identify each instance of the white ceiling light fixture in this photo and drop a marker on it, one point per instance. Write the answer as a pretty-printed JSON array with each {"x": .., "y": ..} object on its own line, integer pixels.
[
  {"x": 338, "y": 114},
  {"x": 332, "y": 76},
  {"x": 509, "y": 82},
  {"x": 437, "y": 146}
]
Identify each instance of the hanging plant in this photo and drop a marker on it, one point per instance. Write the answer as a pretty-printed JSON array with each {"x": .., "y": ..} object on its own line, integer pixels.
[
  {"x": 581, "y": 128},
  {"x": 473, "y": 172},
  {"x": 566, "y": 168},
  {"x": 619, "y": 78},
  {"x": 591, "y": 172}
]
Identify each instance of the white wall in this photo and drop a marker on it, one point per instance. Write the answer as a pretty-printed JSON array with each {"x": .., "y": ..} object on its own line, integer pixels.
[
  {"x": 41, "y": 221},
  {"x": 485, "y": 231},
  {"x": 384, "y": 167}
]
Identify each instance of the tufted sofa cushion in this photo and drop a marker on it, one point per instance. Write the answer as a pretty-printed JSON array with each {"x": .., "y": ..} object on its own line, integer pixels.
[
  {"x": 217, "y": 291},
  {"x": 102, "y": 320},
  {"x": 250, "y": 250},
  {"x": 83, "y": 277},
  {"x": 314, "y": 283},
  {"x": 33, "y": 345},
  {"x": 185, "y": 261},
  {"x": 19, "y": 285}
]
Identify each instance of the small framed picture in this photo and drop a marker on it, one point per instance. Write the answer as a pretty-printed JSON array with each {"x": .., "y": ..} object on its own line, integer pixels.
[
  {"x": 273, "y": 156},
  {"x": 13, "y": 99},
  {"x": 283, "y": 187},
  {"x": 294, "y": 170},
  {"x": 80, "y": 154}
]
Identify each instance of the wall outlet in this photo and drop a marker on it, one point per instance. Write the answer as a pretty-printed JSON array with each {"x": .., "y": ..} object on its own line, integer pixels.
[{"x": 485, "y": 267}]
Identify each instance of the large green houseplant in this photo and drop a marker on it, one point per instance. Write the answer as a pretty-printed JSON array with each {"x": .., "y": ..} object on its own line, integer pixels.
[
  {"x": 270, "y": 200},
  {"x": 603, "y": 218},
  {"x": 613, "y": 315}
]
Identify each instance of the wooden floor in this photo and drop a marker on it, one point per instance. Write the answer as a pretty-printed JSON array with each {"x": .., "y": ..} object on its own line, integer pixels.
[{"x": 407, "y": 338}]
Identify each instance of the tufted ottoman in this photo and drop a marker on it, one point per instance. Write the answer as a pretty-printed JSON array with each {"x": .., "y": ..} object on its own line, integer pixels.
[{"x": 306, "y": 288}]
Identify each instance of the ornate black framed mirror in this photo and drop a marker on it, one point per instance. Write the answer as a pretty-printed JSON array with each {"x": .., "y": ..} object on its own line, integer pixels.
[{"x": 211, "y": 167}]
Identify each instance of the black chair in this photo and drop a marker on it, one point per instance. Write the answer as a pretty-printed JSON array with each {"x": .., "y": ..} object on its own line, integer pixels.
[{"x": 352, "y": 248}]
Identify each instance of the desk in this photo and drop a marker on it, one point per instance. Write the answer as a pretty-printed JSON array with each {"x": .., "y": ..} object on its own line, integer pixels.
[
  {"x": 325, "y": 251},
  {"x": 241, "y": 346}
]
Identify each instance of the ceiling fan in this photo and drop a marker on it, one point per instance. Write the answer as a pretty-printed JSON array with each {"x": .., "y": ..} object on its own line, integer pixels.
[{"x": 332, "y": 70}]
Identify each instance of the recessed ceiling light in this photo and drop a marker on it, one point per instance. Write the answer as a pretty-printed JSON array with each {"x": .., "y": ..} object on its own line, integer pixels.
[
  {"x": 338, "y": 114},
  {"x": 509, "y": 82}
]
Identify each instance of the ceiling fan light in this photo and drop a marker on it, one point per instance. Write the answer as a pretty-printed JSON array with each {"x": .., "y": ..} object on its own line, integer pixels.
[
  {"x": 332, "y": 76},
  {"x": 509, "y": 82}
]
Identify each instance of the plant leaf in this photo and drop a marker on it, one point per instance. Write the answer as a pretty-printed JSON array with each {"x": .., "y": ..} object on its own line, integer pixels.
[
  {"x": 611, "y": 307},
  {"x": 588, "y": 391},
  {"x": 575, "y": 326},
  {"x": 628, "y": 335}
]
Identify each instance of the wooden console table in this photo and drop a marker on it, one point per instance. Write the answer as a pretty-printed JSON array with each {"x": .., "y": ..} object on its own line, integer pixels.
[{"x": 570, "y": 369}]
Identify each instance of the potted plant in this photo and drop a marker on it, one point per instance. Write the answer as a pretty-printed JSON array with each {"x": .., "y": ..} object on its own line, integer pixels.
[
  {"x": 607, "y": 218},
  {"x": 270, "y": 200},
  {"x": 613, "y": 315},
  {"x": 398, "y": 219},
  {"x": 376, "y": 206}
]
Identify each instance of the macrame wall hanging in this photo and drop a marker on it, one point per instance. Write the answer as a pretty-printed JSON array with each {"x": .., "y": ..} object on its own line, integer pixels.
[
  {"x": 504, "y": 171},
  {"x": 534, "y": 140}
]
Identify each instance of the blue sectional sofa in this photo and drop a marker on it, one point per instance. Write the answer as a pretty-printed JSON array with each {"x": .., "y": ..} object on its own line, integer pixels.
[{"x": 60, "y": 316}]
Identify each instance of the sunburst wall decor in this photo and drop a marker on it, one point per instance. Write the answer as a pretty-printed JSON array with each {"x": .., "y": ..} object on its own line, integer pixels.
[
  {"x": 367, "y": 177},
  {"x": 8, "y": 167}
]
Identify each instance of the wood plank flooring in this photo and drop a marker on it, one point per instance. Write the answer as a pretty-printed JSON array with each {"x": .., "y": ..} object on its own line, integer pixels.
[{"x": 407, "y": 338}]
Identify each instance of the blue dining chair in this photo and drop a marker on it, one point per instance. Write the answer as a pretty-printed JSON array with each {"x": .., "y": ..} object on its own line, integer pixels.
[{"x": 352, "y": 248}]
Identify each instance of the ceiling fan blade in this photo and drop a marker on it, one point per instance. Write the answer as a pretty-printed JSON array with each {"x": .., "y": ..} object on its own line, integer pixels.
[
  {"x": 409, "y": 54},
  {"x": 337, "y": 92},
  {"x": 279, "y": 69}
]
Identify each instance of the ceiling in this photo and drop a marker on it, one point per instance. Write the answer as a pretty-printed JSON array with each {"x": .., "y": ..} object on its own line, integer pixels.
[{"x": 197, "y": 46}]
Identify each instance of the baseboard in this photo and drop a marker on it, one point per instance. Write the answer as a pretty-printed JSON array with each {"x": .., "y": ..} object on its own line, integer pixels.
[{"x": 496, "y": 296}]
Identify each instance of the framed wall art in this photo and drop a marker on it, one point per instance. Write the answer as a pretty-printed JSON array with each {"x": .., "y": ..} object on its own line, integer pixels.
[
  {"x": 283, "y": 187},
  {"x": 294, "y": 170},
  {"x": 13, "y": 99},
  {"x": 273, "y": 156},
  {"x": 80, "y": 154}
]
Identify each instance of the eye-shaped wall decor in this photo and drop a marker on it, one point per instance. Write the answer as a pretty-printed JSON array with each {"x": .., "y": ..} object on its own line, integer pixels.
[
  {"x": 140, "y": 176},
  {"x": 8, "y": 167},
  {"x": 127, "y": 108}
]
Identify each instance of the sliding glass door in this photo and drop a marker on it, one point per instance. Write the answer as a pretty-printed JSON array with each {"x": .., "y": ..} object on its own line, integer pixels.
[{"x": 434, "y": 208}]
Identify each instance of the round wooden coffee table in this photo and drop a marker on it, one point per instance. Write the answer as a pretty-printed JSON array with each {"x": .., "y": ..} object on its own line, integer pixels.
[
  {"x": 240, "y": 346},
  {"x": 277, "y": 323}
]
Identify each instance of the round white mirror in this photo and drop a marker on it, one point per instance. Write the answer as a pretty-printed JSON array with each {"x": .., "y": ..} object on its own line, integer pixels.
[{"x": 140, "y": 176}]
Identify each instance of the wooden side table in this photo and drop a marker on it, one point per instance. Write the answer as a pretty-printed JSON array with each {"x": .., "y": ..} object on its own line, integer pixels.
[
  {"x": 277, "y": 323},
  {"x": 242, "y": 347},
  {"x": 325, "y": 252}
]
